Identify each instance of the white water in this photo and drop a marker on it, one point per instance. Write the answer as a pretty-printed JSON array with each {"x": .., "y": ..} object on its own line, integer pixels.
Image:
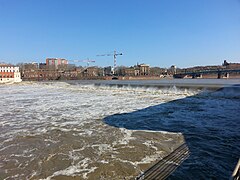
[{"x": 36, "y": 109}]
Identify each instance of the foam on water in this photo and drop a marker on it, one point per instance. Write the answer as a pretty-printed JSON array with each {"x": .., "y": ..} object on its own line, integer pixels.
[{"x": 59, "y": 122}]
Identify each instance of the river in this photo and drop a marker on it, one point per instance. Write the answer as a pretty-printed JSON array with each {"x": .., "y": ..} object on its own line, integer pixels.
[{"x": 118, "y": 129}]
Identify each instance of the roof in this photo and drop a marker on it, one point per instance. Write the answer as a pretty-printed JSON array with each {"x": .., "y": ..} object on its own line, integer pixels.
[
  {"x": 6, "y": 65},
  {"x": 143, "y": 65}
]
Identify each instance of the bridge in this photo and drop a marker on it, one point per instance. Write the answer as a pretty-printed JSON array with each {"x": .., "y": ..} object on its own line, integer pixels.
[{"x": 221, "y": 73}]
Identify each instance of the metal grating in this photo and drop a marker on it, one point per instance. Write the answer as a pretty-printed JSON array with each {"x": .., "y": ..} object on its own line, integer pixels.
[{"x": 163, "y": 168}]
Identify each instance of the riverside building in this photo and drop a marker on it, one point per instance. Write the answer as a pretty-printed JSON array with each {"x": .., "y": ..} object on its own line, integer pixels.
[{"x": 9, "y": 73}]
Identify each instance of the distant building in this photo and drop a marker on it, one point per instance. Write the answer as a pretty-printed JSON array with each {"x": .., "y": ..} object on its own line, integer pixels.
[
  {"x": 131, "y": 71},
  {"x": 120, "y": 70},
  {"x": 9, "y": 73},
  {"x": 55, "y": 62},
  {"x": 144, "y": 69},
  {"x": 42, "y": 66},
  {"x": 108, "y": 71},
  {"x": 91, "y": 72},
  {"x": 138, "y": 70},
  {"x": 157, "y": 71}
]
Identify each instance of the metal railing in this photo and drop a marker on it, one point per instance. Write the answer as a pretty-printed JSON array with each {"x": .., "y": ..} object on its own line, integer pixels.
[{"x": 166, "y": 166}]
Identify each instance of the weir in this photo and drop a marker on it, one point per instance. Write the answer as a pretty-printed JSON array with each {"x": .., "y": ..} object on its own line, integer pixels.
[{"x": 166, "y": 166}]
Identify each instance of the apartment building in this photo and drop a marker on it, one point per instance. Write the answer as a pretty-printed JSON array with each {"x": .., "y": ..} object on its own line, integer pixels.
[
  {"x": 55, "y": 62},
  {"x": 9, "y": 73}
]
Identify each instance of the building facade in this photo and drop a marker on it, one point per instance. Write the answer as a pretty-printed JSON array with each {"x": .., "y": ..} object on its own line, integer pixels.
[
  {"x": 131, "y": 71},
  {"x": 138, "y": 70},
  {"x": 55, "y": 62},
  {"x": 144, "y": 69},
  {"x": 91, "y": 72},
  {"x": 9, "y": 73}
]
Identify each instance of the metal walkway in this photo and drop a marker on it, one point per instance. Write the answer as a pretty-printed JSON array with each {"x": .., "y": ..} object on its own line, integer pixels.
[
  {"x": 236, "y": 172},
  {"x": 163, "y": 168}
]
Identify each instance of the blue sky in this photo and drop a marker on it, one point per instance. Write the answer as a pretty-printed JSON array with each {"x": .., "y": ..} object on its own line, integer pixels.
[{"x": 157, "y": 32}]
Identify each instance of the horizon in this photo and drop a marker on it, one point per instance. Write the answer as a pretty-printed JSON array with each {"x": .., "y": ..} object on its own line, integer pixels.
[
  {"x": 99, "y": 66},
  {"x": 159, "y": 33}
]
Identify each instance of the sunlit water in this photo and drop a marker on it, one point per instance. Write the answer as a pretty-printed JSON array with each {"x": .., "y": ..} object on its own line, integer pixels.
[{"x": 78, "y": 129}]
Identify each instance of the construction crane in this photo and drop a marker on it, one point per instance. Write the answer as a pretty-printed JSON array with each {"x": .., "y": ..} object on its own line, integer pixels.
[
  {"x": 85, "y": 60},
  {"x": 115, "y": 54}
]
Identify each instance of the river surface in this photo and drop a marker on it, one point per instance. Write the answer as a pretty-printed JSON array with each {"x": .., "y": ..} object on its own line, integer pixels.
[{"x": 118, "y": 129}]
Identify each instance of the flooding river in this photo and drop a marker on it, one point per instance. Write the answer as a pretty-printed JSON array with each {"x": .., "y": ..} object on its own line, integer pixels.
[{"x": 113, "y": 129}]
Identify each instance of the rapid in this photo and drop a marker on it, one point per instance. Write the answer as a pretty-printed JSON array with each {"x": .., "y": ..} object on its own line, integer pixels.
[{"x": 89, "y": 130}]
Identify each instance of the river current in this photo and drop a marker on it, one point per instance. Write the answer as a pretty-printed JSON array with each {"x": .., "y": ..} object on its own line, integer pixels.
[{"x": 117, "y": 129}]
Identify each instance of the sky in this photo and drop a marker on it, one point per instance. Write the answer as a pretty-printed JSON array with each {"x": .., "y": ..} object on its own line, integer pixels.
[{"x": 160, "y": 33}]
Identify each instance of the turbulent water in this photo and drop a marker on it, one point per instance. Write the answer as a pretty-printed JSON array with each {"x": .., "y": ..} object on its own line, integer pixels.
[{"x": 57, "y": 130}]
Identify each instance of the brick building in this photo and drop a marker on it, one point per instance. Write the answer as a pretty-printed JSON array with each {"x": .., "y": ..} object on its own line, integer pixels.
[
  {"x": 9, "y": 73},
  {"x": 55, "y": 62}
]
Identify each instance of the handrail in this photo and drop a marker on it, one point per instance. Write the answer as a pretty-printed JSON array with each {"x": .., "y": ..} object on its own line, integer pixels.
[
  {"x": 164, "y": 167},
  {"x": 236, "y": 172}
]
